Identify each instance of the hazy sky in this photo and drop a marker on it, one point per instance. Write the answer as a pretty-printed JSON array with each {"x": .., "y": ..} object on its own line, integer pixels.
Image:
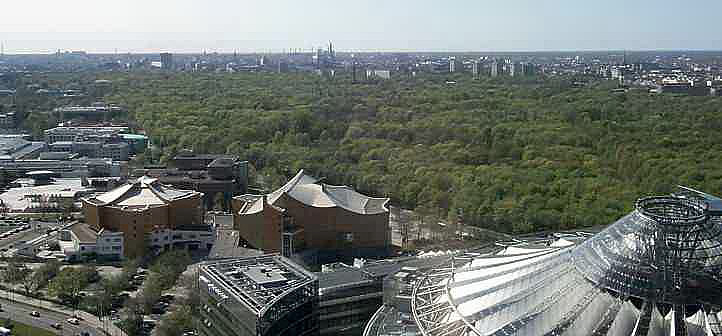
[{"x": 383, "y": 25}]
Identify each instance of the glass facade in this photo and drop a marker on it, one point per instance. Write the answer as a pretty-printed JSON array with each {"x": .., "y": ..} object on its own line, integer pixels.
[{"x": 656, "y": 271}]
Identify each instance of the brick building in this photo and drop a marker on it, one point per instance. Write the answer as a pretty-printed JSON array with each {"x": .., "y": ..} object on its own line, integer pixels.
[
  {"x": 306, "y": 214},
  {"x": 152, "y": 216}
]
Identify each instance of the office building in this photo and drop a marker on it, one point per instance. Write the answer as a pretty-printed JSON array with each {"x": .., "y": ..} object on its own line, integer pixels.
[
  {"x": 265, "y": 295},
  {"x": 455, "y": 65},
  {"x": 308, "y": 214},
  {"x": 68, "y": 168},
  {"x": 152, "y": 217},
  {"x": 476, "y": 68},
  {"x": 16, "y": 148},
  {"x": 166, "y": 61},
  {"x": 216, "y": 176},
  {"x": 95, "y": 112},
  {"x": 349, "y": 295},
  {"x": 101, "y": 134},
  {"x": 497, "y": 68}
]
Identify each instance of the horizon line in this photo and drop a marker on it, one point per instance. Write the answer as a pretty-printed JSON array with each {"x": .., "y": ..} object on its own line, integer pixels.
[{"x": 363, "y": 51}]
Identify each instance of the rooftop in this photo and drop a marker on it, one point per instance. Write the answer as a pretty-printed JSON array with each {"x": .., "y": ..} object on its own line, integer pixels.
[
  {"x": 143, "y": 192},
  {"x": 257, "y": 282},
  {"x": 84, "y": 233},
  {"x": 308, "y": 190},
  {"x": 28, "y": 195},
  {"x": 655, "y": 271}
]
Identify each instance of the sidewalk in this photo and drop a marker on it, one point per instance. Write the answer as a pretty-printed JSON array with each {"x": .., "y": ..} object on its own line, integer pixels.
[{"x": 107, "y": 326}]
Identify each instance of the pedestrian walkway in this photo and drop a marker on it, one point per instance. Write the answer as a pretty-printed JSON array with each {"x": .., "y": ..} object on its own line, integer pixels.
[{"x": 105, "y": 325}]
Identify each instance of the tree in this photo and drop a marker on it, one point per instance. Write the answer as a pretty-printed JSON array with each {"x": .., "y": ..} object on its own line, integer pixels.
[
  {"x": 177, "y": 322},
  {"x": 151, "y": 292},
  {"x": 68, "y": 284},
  {"x": 133, "y": 317},
  {"x": 15, "y": 272}
]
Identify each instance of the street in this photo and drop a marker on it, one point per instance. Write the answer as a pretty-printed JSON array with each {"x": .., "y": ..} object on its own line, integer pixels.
[{"x": 20, "y": 312}]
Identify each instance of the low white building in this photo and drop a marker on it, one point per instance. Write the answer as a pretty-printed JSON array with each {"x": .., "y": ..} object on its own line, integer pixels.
[
  {"x": 188, "y": 239},
  {"x": 79, "y": 241}
]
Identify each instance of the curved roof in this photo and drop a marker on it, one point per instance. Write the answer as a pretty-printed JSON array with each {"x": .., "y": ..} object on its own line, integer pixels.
[
  {"x": 656, "y": 271},
  {"x": 143, "y": 192},
  {"x": 308, "y": 190}
]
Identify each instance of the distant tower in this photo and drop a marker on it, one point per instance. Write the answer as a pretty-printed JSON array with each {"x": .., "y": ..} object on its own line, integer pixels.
[
  {"x": 353, "y": 71},
  {"x": 476, "y": 69},
  {"x": 452, "y": 64},
  {"x": 2, "y": 48},
  {"x": 166, "y": 61},
  {"x": 330, "y": 49},
  {"x": 497, "y": 68}
]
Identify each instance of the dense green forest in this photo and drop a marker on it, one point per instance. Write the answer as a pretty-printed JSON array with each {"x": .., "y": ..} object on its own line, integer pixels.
[{"x": 514, "y": 155}]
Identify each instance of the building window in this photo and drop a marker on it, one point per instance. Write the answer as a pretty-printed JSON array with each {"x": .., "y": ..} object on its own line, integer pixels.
[
  {"x": 116, "y": 240},
  {"x": 116, "y": 248},
  {"x": 82, "y": 248}
]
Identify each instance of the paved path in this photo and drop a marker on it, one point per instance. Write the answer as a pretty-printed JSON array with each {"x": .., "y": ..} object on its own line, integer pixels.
[{"x": 51, "y": 313}]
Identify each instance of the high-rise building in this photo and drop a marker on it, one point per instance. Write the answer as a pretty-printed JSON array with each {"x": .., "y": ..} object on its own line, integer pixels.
[
  {"x": 497, "y": 68},
  {"x": 528, "y": 69},
  {"x": 282, "y": 66},
  {"x": 455, "y": 64},
  {"x": 476, "y": 69},
  {"x": 166, "y": 61}
]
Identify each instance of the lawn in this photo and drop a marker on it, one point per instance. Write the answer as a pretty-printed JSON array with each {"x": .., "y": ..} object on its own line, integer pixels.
[{"x": 20, "y": 329}]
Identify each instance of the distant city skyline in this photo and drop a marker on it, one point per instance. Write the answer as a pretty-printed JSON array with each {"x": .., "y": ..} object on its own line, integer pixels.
[{"x": 190, "y": 26}]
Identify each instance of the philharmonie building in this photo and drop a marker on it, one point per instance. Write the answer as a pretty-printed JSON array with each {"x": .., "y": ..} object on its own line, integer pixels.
[{"x": 655, "y": 271}]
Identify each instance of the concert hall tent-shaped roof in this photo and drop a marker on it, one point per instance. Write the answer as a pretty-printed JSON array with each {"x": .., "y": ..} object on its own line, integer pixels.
[
  {"x": 313, "y": 215},
  {"x": 656, "y": 271}
]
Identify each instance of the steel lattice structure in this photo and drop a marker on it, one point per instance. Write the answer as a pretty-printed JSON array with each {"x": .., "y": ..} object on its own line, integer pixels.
[{"x": 656, "y": 271}]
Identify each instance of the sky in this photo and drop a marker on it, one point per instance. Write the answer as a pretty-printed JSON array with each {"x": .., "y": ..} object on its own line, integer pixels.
[{"x": 361, "y": 25}]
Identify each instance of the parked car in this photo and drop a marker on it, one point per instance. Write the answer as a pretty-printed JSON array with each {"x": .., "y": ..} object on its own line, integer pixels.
[
  {"x": 73, "y": 321},
  {"x": 34, "y": 313},
  {"x": 57, "y": 325}
]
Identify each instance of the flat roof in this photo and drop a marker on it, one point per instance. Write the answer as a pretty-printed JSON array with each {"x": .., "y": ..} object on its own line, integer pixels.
[
  {"x": 257, "y": 281},
  {"x": 21, "y": 198}
]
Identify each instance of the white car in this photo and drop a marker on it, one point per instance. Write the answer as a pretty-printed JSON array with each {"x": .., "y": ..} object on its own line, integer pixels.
[
  {"x": 73, "y": 321},
  {"x": 34, "y": 313}
]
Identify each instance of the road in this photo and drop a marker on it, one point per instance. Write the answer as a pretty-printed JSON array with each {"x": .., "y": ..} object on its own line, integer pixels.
[
  {"x": 20, "y": 312},
  {"x": 36, "y": 230}
]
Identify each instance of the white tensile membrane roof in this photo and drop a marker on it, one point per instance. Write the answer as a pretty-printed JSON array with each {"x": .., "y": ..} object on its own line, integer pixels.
[{"x": 655, "y": 272}]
